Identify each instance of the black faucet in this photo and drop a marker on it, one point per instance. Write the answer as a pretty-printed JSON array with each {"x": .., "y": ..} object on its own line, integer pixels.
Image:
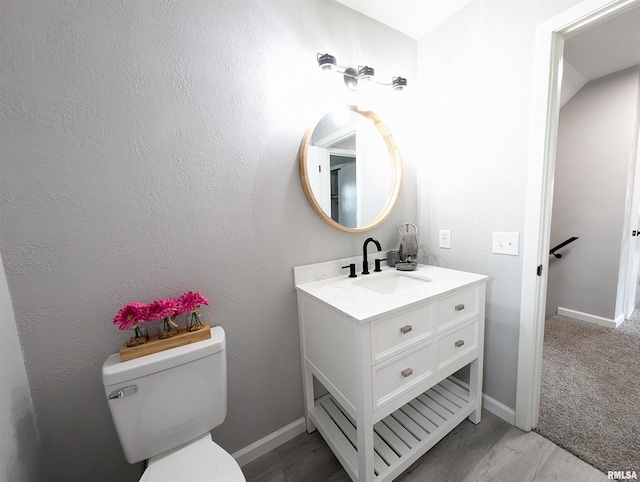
[{"x": 365, "y": 263}]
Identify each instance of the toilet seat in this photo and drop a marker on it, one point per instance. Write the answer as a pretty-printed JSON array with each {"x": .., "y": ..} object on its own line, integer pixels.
[{"x": 199, "y": 461}]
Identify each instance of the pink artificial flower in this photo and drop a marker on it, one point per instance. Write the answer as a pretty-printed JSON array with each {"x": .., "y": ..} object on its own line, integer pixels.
[
  {"x": 162, "y": 309},
  {"x": 190, "y": 301},
  {"x": 129, "y": 315}
]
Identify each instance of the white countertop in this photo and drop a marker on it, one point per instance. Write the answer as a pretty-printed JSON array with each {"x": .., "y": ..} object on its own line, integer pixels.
[{"x": 364, "y": 305}]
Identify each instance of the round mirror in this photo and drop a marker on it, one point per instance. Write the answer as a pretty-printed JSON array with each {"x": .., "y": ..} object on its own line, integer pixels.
[{"x": 350, "y": 169}]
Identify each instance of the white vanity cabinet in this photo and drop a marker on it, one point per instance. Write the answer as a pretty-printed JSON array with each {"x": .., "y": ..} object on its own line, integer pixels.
[{"x": 385, "y": 360}]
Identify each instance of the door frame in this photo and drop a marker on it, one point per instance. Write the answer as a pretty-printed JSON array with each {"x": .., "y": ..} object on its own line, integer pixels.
[
  {"x": 550, "y": 37},
  {"x": 630, "y": 253}
]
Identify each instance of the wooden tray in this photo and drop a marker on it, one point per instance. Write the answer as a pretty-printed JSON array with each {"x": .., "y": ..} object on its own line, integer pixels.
[{"x": 154, "y": 345}]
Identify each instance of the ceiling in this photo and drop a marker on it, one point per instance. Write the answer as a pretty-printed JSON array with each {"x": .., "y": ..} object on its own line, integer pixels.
[
  {"x": 600, "y": 50},
  {"x": 606, "y": 48},
  {"x": 414, "y": 18}
]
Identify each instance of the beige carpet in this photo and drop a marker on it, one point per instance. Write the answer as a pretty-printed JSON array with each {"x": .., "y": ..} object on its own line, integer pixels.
[{"x": 590, "y": 395}]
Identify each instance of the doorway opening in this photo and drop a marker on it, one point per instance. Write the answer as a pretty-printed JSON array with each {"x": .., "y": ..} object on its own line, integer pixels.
[{"x": 546, "y": 106}]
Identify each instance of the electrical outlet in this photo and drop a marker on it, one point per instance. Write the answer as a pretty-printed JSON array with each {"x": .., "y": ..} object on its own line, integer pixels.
[
  {"x": 506, "y": 243},
  {"x": 445, "y": 239}
]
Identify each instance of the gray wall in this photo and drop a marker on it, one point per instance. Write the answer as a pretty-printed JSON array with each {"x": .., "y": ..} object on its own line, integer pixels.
[
  {"x": 476, "y": 73},
  {"x": 597, "y": 137},
  {"x": 149, "y": 148},
  {"x": 20, "y": 455}
]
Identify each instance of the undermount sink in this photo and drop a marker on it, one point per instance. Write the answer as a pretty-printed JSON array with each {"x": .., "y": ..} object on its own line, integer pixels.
[{"x": 390, "y": 283}]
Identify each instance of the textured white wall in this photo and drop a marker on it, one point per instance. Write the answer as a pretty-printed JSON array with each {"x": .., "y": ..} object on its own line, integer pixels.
[
  {"x": 597, "y": 138},
  {"x": 149, "y": 148},
  {"x": 476, "y": 73},
  {"x": 20, "y": 454}
]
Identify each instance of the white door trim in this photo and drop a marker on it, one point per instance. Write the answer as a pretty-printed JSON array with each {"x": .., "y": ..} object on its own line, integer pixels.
[
  {"x": 629, "y": 252},
  {"x": 550, "y": 37}
]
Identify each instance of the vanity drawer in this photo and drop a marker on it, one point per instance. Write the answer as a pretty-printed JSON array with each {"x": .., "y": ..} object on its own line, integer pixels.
[
  {"x": 457, "y": 344},
  {"x": 457, "y": 308},
  {"x": 391, "y": 336},
  {"x": 394, "y": 376}
]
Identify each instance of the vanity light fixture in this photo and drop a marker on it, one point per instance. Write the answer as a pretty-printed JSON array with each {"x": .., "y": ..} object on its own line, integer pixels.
[
  {"x": 364, "y": 76},
  {"x": 399, "y": 83}
]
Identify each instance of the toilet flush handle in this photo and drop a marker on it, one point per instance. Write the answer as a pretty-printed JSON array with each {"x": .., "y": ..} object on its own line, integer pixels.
[{"x": 123, "y": 392}]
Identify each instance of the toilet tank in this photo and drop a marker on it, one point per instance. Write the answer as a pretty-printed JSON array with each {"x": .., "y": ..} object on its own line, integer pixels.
[{"x": 167, "y": 398}]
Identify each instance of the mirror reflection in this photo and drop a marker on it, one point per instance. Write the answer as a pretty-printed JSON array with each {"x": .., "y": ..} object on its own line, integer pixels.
[{"x": 350, "y": 169}]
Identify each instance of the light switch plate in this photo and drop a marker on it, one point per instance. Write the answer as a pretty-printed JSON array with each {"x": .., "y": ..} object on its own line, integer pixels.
[{"x": 506, "y": 243}]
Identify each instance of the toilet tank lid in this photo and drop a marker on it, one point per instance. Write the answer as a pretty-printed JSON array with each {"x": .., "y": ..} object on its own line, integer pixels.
[{"x": 114, "y": 371}]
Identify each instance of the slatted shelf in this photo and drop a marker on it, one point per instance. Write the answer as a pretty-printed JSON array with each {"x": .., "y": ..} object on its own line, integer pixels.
[{"x": 401, "y": 437}]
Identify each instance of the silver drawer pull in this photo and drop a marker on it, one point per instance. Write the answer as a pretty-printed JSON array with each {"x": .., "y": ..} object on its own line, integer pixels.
[
  {"x": 459, "y": 343},
  {"x": 459, "y": 307},
  {"x": 407, "y": 372},
  {"x": 123, "y": 392},
  {"x": 406, "y": 329}
]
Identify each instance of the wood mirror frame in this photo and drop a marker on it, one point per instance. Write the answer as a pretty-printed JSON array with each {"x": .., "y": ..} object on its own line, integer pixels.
[{"x": 394, "y": 183}]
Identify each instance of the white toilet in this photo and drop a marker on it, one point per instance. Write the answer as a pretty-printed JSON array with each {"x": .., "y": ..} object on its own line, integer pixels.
[{"x": 163, "y": 406}]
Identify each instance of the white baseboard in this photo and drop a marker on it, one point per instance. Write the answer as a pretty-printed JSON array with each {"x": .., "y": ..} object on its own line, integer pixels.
[
  {"x": 499, "y": 409},
  {"x": 598, "y": 320},
  {"x": 270, "y": 442}
]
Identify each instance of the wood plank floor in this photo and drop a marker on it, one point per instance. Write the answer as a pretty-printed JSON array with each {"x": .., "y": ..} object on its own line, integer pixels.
[{"x": 490, "y": 451}]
